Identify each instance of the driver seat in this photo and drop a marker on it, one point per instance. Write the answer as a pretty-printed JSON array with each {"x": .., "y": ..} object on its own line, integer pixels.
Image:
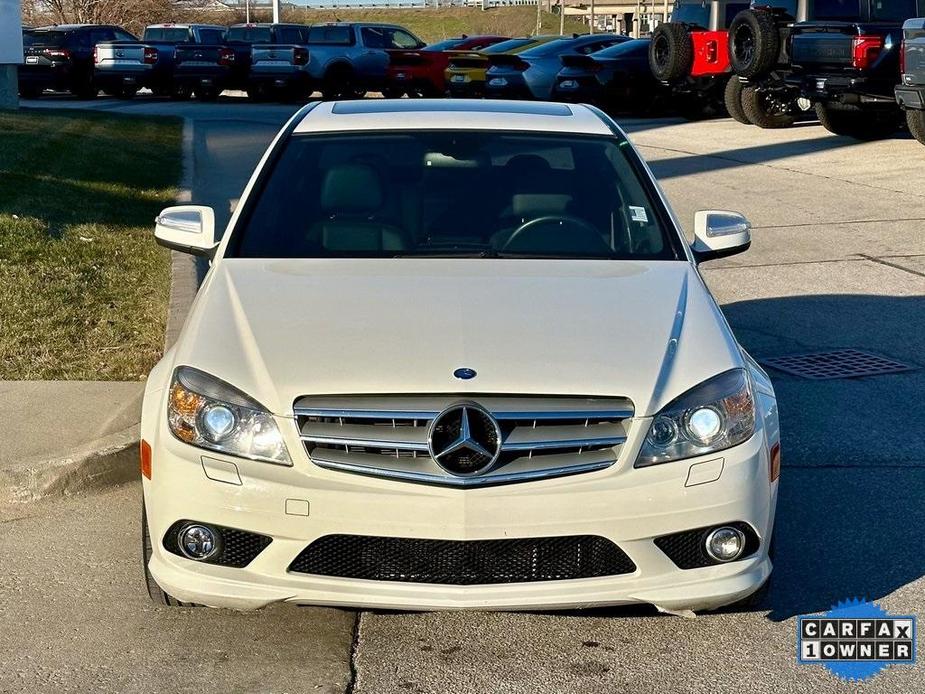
[{"x": 352, "y": 198}]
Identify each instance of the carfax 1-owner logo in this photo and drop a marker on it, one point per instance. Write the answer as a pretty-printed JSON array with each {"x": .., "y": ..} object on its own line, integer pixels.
[{"x": 855, "y": 640}]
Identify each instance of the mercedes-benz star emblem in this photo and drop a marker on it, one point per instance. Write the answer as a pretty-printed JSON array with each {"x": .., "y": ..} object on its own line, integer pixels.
[{"x": 464, "y": 440}]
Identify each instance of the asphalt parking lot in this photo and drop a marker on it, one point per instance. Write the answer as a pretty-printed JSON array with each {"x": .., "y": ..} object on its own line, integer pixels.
[{"x": 837, "y": 262}]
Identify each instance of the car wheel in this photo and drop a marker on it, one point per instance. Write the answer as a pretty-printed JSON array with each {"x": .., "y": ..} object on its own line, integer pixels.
[
  {"x": 30, "y": 91},
  {"x": 155, "y": 592},
  {"x": 853, "y": 122},
  {"x": 126, "y": 92},
  {"x": 916, "y": 122},
  {"x": 85, "y": 89},
  {"x": 338, "y": 83},
  {"x": 671, "y": 52},
  {"x": 207, "y": 94},
  {"x": 754, "y": 43},
  {"x": 768, "y": 108},
  {"x": 733, "y": 100},
  {"x": 393, "y": 93},
  {"x": 181, "y": 93}
]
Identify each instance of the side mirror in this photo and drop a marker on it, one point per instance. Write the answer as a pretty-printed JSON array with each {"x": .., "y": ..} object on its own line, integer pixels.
[
  {"x": 719, "y": 234},
  {"x": 188, "y": 229}
]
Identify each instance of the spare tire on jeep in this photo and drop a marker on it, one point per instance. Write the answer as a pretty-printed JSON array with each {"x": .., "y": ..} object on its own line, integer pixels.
[
  {"x": 671, "y": 53},
  {"x": 754, "y": 43}
]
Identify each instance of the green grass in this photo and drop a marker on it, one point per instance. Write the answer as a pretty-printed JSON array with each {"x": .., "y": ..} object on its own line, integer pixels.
[
  {"x": 84, "y": 289},
  {"x": 436, "y": 24}
]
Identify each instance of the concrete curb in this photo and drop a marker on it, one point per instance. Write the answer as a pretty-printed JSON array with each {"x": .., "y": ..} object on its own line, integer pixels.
[
  {"x": 113, "y": 458},
  {"x": 108, "y": 461},
  {"x": 184, "y": 280}
]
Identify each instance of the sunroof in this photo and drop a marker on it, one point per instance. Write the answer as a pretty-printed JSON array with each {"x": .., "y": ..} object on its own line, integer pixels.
[{"x": 448, "y": 106}]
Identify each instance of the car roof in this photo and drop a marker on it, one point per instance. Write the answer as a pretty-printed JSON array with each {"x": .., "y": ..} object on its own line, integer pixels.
[{"x": 451, "y": 114}]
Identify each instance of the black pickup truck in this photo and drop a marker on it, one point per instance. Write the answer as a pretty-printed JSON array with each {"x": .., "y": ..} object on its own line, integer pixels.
[
  {"x": 848, "y": 63},
  {"x": 240, "y": 38},
  {"x": 910, "y": 94}
]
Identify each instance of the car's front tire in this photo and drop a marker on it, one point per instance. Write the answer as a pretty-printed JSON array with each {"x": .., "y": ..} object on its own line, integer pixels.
[
  {"x": 915, "y": 119},
  {"x": 733, "y": 100},
  {"x": 157, "y": 594}
]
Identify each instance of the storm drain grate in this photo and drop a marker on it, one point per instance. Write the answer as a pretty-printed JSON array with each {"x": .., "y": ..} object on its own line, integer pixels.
[{"x": 839, "y": 363}]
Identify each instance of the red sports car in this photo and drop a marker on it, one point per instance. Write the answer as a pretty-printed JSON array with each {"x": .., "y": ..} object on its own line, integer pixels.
[{"x": 419, "y": 72}]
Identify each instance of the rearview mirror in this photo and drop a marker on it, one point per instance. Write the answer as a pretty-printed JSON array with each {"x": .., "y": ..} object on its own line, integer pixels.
[
  {"x": 188, "y": 229},
  {"x": 719, "y": 234}
]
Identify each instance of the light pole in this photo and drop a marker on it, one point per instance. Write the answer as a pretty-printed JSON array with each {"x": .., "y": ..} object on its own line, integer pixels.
[
  {"x": 561, "y": 17},
  {"x": 276, "y": 11},
  {"x": 591, "y": 28}
]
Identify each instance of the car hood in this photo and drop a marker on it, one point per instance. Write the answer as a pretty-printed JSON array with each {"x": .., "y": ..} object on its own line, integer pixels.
[{"x": 280, "y": 329}]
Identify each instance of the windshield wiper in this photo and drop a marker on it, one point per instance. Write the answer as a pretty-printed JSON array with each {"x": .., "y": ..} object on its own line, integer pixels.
[{"x": 431, "y": 253}]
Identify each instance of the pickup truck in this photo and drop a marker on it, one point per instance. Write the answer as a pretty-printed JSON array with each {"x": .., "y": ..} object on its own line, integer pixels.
[
  {"x": 204, "y": 70},
  {"x": 910, "y": 94},
  {"x": 121, "y": 68},
  {"x": 60, "y": 58},
  {"x": 848, "y": 64},
  {"x": 344, "y": 60},
  {"x": 279, "y": 64},
  {"x": 241, "y": 37}
]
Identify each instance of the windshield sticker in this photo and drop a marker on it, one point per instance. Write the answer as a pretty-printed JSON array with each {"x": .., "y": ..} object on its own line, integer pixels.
[{"x": 638, "y": 214}]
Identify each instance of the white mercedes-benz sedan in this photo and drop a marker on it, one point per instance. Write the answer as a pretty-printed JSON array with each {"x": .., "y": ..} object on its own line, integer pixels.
[{"x": 456, "y": 355}]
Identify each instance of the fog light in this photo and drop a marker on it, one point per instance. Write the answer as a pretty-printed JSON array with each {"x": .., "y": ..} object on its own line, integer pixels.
[
  {"x": 197, "y": 542},
  {"x": 725, "y": 544}
]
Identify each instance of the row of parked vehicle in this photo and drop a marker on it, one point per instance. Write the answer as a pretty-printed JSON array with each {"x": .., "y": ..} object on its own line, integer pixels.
[
  {"x": 854, "y": 64},
  {"x": 857, "y": 64},
  {"x": 288, "y": 61}
]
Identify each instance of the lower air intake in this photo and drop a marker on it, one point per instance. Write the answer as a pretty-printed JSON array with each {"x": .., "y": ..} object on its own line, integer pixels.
[{"x": 465, "y": 562}]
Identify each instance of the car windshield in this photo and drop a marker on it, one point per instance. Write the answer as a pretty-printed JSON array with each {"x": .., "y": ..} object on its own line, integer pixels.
[
  {"x": 250, "y": 35},
  {"x": 837, "y": 9},
  {"x": 171, "y": 35},
  {"x": 625, "y": 49},
  {"x": 447, "y": 45},
  {"x": 509, "y": 45},
  {"x": 454, "y": 194},
  {"x": 44, "y": 38},
  {"x": 549, "y": 49}
]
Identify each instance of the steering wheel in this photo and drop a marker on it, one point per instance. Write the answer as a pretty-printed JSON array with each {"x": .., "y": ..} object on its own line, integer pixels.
[{"x": 582, "y": 238}]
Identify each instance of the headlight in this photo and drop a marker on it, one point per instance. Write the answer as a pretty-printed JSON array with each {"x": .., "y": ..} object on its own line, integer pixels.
[
  {"x": 717, "y": 414},
  {"x": 206, "y": 412}
]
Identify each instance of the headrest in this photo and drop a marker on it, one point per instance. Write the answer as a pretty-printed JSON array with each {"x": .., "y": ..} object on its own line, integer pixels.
[
  {"x": 526, "y": 164},
  {"x": 539, "y": 204},
  {"x": 351, "y": 188}
]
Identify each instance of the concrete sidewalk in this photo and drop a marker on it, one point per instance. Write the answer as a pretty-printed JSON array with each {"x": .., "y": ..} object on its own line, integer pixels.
[{"x": 61, "y": 436}]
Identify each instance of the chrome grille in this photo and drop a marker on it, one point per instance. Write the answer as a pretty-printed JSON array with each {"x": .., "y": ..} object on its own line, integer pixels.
[{"x": 387, "y": 436}]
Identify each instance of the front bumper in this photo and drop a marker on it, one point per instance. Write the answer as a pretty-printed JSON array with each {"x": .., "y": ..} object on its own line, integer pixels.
[{"x": 628, "y": 506}]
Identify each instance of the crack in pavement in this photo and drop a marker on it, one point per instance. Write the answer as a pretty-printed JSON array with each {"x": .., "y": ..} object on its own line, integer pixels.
[
  {"x": 354, "y": 652},
  {"x": 880, "y": 261}
]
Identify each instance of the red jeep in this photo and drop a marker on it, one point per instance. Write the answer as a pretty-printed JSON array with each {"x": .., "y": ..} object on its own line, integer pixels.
[
  {"x": 691, "y": 53},
  {"x": 420, "y": 72}
]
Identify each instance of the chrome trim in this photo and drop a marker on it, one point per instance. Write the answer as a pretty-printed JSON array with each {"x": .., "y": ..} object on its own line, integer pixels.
[
  {"x": 467, "y": 482},
  {"x": 389, "y": 436},
  {"x": 368, "y": 443},
  {"x": 565, "y": 443}
]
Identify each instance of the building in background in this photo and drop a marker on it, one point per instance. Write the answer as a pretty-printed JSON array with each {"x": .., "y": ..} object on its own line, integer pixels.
[{"x": 632, "y": 18}]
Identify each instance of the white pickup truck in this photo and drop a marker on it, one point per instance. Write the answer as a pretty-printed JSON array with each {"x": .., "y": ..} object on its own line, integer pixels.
[{"x": 123, "y": 67}]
